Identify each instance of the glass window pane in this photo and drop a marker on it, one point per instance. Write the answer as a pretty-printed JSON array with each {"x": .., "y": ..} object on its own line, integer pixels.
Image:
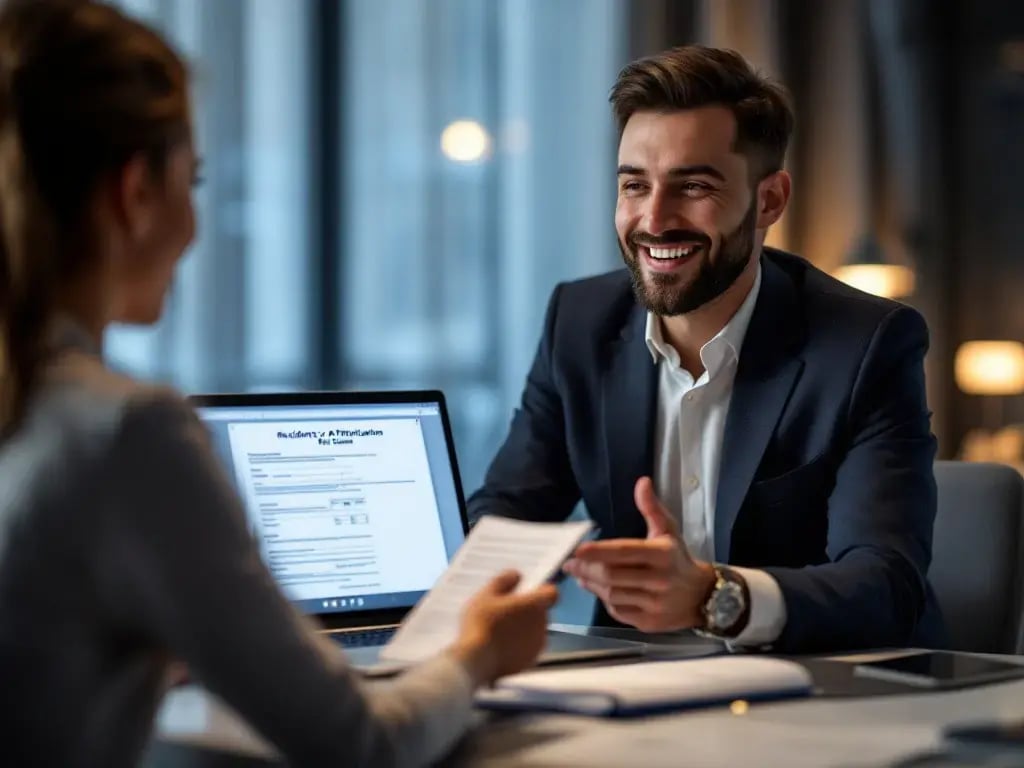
[
  {"x": 238, "y": 316},
  {"x": 477, "y": 171}
]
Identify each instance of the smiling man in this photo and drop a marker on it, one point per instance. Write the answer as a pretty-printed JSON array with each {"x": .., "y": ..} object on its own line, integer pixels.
[{"x": 751, "y": 435}]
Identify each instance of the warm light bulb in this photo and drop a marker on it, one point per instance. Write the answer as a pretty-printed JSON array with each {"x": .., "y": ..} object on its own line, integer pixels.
[
  {"x": 990, "y": 367},
  {"x": 465, "y": 141},
  {"x": 891, "y": 281}
]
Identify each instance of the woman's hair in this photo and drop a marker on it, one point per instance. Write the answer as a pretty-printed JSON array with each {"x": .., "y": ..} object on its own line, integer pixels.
[{"x": 83, "y": 90}]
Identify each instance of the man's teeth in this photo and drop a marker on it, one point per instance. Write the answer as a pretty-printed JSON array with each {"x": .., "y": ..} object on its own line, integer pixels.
[{"x": 672, "y": 253}]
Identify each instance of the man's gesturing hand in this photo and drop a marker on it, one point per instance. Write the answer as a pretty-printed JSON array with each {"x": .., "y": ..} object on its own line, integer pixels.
[{"x": 653, "y": 584}]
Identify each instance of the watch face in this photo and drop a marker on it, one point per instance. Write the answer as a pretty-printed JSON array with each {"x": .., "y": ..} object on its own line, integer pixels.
[{"x": 727, "y": 605}]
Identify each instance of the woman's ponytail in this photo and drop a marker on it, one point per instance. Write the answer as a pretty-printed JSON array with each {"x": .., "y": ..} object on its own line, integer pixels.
[
  {"x": 83, "y": 89},
  {"x": 27, "y": 244}
]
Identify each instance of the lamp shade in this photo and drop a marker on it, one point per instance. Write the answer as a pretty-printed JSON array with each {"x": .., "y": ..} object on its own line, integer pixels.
[
  {"x": 871, "y": 269},
  {"x": 990, "y": 367}
]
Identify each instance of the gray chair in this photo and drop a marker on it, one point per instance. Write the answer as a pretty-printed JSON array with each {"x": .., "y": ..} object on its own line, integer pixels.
[{"x": 976, "y": 567}]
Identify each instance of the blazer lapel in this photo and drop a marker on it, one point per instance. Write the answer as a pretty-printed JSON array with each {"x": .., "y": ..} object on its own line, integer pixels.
[
  {"x": 767, "y": 370},
  {"x": 629, "y": 403}
]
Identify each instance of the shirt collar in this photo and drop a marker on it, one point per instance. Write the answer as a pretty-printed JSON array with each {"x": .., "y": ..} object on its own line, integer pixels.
[{"x": 717, "y": 350}]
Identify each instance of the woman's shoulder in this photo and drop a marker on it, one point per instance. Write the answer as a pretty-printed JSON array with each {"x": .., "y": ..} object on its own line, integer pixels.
[
  {"x": 80, "y": 394},
  {"x": 84, "y": 421}
]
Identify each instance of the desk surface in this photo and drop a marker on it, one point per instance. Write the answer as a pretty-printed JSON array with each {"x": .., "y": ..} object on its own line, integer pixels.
[{"x": 864, "y": 731}]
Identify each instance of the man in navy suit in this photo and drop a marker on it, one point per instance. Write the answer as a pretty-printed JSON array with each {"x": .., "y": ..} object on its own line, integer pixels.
[{"x": 750, "y": 435}]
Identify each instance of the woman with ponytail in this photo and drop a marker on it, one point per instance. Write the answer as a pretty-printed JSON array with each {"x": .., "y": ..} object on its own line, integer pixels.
[{"x": 123, "y": 548}]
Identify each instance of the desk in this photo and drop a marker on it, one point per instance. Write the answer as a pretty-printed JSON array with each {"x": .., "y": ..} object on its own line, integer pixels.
[{"x": 870, "y": 731}]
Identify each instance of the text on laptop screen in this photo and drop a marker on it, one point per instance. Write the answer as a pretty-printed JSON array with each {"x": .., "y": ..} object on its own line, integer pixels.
[{"x": 354, "y": 506}]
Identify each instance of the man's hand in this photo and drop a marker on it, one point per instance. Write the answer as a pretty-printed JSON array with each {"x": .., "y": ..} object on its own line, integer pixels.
[{"x": 654, "y": 584}]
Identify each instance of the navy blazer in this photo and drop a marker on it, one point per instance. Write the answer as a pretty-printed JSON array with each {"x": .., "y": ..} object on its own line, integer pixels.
[{"x": 826, "y": 479}]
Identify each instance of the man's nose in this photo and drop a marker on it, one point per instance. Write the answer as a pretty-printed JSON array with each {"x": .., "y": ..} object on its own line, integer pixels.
[{"x": 660, "y": 214}]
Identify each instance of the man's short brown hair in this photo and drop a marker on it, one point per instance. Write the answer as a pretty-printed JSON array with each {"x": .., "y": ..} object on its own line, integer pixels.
[{"x": 694, "y": 76}]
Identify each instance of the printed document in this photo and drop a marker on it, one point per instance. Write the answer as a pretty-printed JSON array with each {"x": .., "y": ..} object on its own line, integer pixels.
[{"x": 535, "y": 550}]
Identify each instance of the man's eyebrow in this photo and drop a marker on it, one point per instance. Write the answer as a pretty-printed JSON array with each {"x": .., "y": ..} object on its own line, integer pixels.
[
  {"x": 698, "y": 170},
  {"x": 684, "y": 170}
]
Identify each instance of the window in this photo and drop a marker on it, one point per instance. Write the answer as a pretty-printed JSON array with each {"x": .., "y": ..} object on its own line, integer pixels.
[
  {"x": 477, "y": 172},
  {"x": 238, "y": 316},
  {"x": 438, "y": 262}
]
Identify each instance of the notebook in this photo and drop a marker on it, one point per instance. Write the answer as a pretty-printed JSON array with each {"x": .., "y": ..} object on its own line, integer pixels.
[{"x": 625, "y": 690}]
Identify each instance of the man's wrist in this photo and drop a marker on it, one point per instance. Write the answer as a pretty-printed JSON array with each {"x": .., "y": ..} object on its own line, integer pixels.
[
  {"x": 704, "y": 584},
  {"x": 710, "y": 578}
]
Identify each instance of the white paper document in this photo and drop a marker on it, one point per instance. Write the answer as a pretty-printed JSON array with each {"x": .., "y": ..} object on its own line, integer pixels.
[{"x": 535, "y": 550}]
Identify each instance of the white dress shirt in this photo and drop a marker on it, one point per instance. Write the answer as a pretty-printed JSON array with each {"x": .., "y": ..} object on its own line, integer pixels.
[{"x": 688, "y": 453}]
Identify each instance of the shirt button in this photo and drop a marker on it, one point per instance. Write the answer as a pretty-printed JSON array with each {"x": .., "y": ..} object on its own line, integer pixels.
[
  {"x": 692, "y": 481},
  {"x": 690, "y": 397}
]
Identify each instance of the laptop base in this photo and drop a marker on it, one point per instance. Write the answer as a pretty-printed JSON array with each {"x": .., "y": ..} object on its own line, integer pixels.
[{"x": 561, "y": 648}]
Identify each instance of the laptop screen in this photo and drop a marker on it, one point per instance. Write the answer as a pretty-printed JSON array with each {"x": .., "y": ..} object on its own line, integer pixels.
[{"x": 355, "y": 506}]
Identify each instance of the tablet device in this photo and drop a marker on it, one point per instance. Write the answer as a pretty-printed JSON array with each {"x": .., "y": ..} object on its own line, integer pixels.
[
  {"x": 940, "y": 669},
  {"x": 995, "y": 735}
]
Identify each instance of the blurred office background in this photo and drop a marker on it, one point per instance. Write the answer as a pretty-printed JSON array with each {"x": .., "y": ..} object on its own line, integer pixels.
[{"x": 392, "y": 187}]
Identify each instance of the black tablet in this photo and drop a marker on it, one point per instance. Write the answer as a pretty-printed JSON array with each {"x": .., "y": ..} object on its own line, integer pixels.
[{"x": 940, "y": 669}]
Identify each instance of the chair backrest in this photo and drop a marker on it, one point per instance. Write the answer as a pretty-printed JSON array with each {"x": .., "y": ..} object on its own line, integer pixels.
[{"x": 976, "y": 555}]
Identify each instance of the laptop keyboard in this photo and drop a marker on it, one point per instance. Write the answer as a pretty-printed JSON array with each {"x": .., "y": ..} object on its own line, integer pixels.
[{"x": 363, "y": 637}]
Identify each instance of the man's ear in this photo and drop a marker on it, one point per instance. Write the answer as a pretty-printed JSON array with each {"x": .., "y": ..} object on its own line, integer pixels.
[
  {"x": 772, "y": 197},
  {"x": 132, "y": 193}
]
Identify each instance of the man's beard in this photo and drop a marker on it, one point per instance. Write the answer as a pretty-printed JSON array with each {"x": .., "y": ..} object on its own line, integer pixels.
[{"x": 663, "y": 295}]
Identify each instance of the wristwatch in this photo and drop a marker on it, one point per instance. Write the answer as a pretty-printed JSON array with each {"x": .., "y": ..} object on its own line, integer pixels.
[{"x": 727, "y": 607}]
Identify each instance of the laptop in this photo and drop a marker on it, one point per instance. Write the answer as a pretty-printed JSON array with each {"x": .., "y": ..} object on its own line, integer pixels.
[{"x": 355, "y": 501}]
